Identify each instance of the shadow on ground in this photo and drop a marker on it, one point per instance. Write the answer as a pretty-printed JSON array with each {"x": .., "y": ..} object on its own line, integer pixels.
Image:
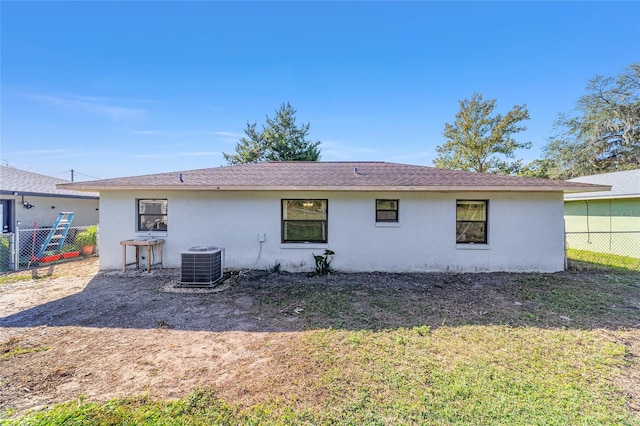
[{"x": 259, "y": 301}]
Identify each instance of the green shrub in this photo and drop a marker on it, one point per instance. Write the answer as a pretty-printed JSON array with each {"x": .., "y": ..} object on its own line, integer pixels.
[
  {"x": 323, "y": 262},
  {"x": 88, "y": 237},
  {"x": 4, "y": 254}
]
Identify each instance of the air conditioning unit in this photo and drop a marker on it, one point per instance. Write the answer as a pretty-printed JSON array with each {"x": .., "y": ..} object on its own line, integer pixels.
[{"x": 202, "y": 266}]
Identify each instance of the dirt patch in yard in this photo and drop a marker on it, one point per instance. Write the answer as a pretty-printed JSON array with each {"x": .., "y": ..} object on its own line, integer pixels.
[{"x": 72, "y": 330}]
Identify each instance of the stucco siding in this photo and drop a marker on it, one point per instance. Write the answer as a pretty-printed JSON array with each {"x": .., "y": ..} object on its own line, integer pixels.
[
  {"x": 47, "y": 209},
  {"x": 525, "y": 230}
]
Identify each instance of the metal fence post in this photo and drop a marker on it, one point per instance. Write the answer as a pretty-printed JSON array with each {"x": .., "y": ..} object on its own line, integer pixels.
[
  {"x": 12, "y": 250},
  {"x": 16, "y": 249},
  {"x": 566, "y": 257}
]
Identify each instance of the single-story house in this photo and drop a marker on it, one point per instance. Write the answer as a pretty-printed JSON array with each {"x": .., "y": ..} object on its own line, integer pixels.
[
  {"x": 375, "y": 216},
  {"x": 605, "y": 221},
  {"x": 28, "y": 198}
]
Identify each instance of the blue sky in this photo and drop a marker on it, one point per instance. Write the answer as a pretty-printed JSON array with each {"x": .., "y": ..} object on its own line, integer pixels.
[{"x": 127, "y": 88}]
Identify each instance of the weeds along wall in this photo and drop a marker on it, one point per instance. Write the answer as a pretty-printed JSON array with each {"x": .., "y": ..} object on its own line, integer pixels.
[{"x": 525, "y": 230}]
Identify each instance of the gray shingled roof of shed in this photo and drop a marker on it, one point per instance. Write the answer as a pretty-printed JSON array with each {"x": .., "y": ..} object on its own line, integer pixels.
[
  {"x": 624, "y": 184},
  {"x": 34, "y": 184},
  {"x": 334, "y": 176}
]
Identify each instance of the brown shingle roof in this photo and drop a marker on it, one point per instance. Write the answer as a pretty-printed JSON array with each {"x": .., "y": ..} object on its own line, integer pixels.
[{"x": 337, "y": 176}]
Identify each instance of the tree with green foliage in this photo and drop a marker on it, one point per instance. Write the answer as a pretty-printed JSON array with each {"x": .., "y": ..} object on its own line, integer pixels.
[
  {"x": 603, "y": 134},
  {"x": 481, "y": 142},
  {"x": 538, "y": 168},
  {"x": 280, "y": 140}
]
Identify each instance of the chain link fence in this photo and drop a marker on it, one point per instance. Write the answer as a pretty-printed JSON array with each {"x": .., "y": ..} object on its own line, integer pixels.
[
  {"x": 6, "y": 248},
  {"x": 620, "y": 249},
  {"x": 21, "y": 250}
]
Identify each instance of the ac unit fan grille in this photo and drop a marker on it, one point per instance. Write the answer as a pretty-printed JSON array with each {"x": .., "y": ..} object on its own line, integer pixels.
[{"x": 201, "y": 268}]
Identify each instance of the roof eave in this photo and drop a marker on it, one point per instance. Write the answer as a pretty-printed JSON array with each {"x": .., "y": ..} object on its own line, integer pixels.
[
  {"x": 379, "y": 188},
  {"x": 589, "y": 187},
  {"x": 46, "y": 194},
  {"x": 582, "y": 197}
]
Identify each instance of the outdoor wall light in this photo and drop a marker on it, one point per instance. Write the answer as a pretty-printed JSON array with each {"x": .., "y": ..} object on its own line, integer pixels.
[{"x": 27, "y": 205}]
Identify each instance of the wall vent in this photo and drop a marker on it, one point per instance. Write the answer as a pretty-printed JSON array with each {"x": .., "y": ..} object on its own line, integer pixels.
[{"x": 202, "y": 266}]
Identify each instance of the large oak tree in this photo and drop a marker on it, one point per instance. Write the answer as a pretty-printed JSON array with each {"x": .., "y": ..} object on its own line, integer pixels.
[{"x": 603, "y": 133}]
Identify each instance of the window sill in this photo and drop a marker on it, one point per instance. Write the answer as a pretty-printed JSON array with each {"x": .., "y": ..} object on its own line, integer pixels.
[
  {"x": 473, "y": 247},
  {"x": 387, "y": 224},
  {"x": 157, "y": 234},
  {"x": 304, "y": 245}
]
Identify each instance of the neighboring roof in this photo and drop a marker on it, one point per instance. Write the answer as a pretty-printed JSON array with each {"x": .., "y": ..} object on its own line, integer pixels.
[
  {"x": 34, "y": 184},
  {"x": 624, "y": 184},
  {"x": 334, "y": 176}
]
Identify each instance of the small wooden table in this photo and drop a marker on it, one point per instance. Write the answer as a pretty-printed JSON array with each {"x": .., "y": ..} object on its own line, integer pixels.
[{"x": 142, "y": 242}]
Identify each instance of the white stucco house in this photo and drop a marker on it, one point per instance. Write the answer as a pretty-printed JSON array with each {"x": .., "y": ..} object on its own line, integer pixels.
[{"x": 375, "y": 216}]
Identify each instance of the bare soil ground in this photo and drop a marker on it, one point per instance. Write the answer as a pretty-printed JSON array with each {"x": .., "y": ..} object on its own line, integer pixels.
[{"x": 76, "y": 331}]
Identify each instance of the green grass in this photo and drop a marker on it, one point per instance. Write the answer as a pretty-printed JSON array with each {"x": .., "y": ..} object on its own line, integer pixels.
[
  {"x": 464, "y": 375},
  {"x": 22, "y": 351},
  {"x": 201, "y": 407},
  {"x": 349, "y": 305},
  {"x": 14, "y": 278},
  {"x": 13, "y": 347},
  {"x": 550, "y": 299},
  {"x": 475, "y": 375},
  {"x": 552, "y": 360},
  {"x": 20, "y": 277},
  {"x": 605, "y": 259}
]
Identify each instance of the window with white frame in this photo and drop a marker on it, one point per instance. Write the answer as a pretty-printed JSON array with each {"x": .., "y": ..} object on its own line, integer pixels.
[{"x": 152, "y": 215}]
